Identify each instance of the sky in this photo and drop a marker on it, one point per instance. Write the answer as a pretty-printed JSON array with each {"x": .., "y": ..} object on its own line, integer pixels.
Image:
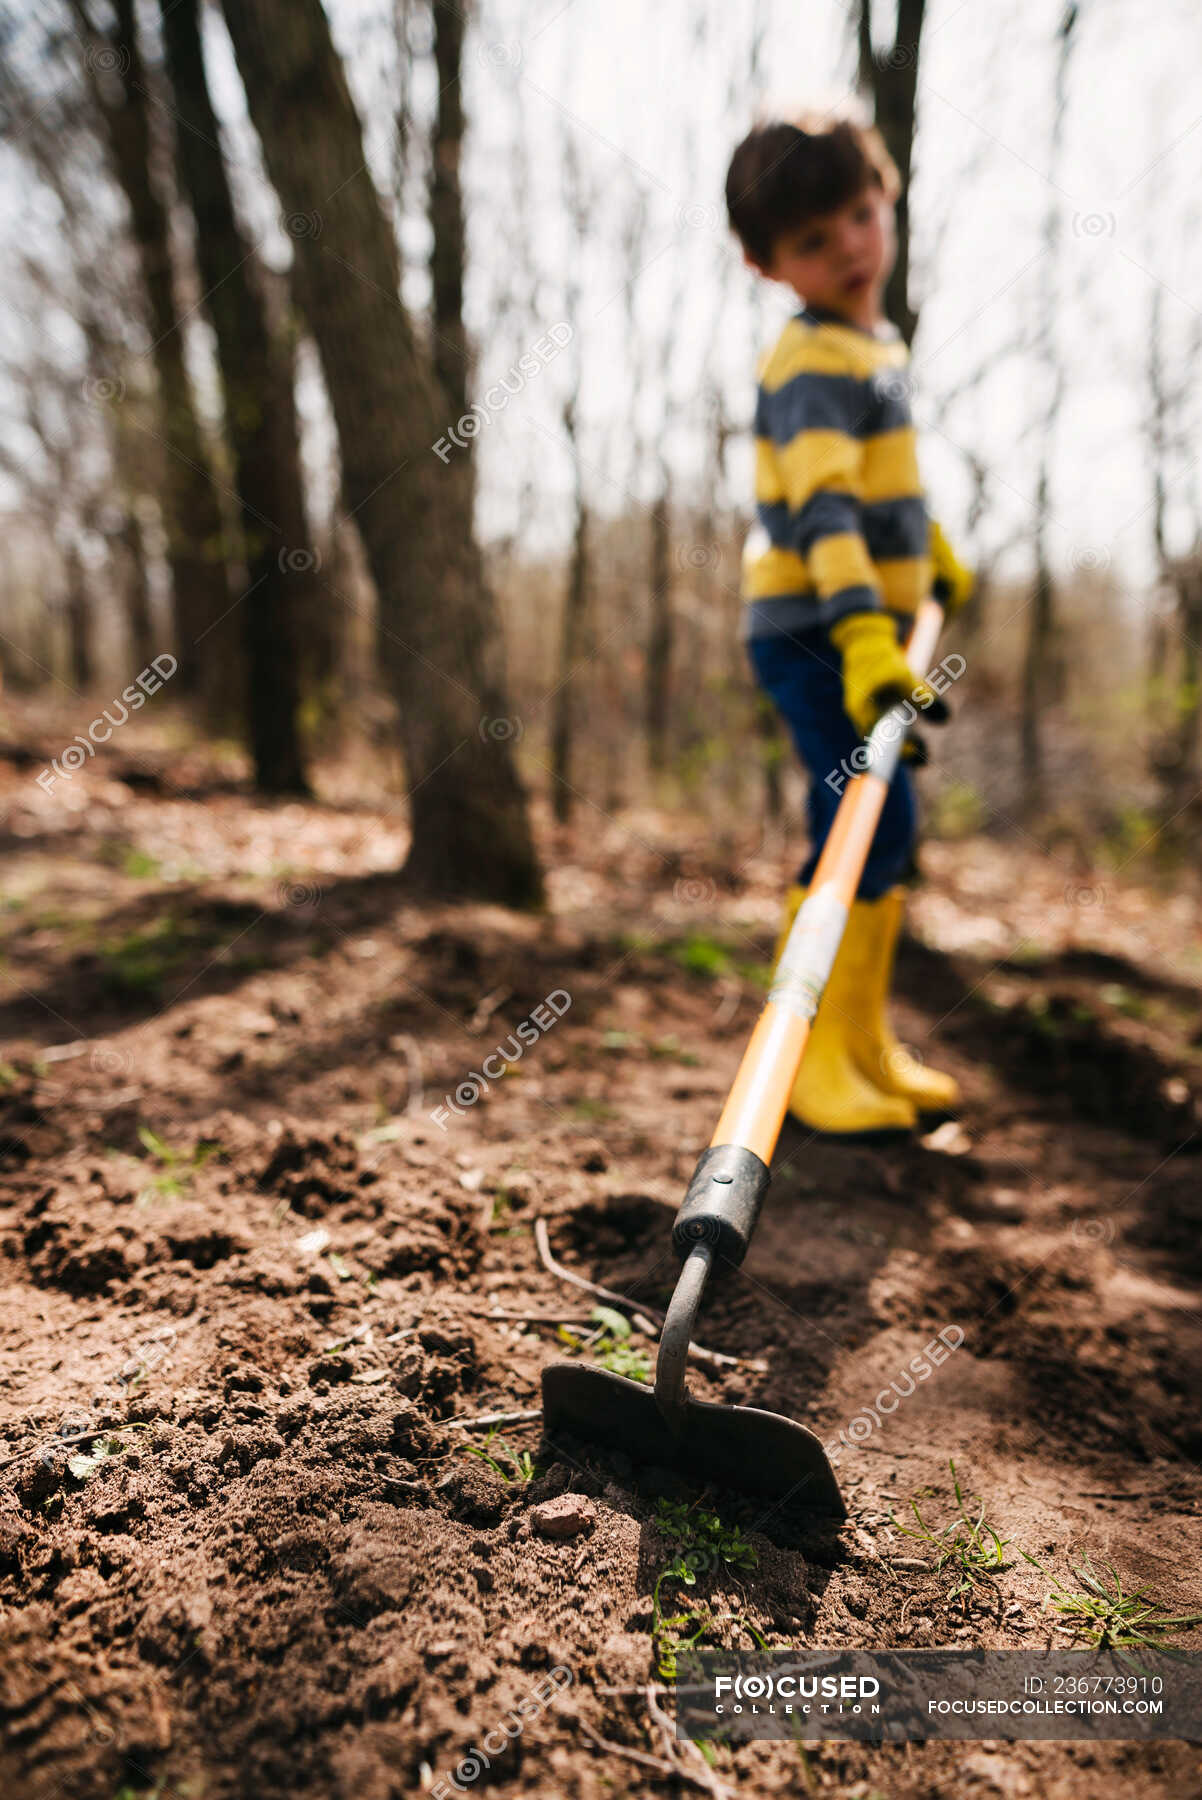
[
  {"x": 654, "y": 104},
  {"x": 646, "y": 103}
]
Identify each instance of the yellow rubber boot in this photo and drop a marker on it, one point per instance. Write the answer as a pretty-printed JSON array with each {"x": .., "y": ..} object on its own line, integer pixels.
[
  {"x": 833, "y": 1092},
  {"x": 870, "y": 944}
]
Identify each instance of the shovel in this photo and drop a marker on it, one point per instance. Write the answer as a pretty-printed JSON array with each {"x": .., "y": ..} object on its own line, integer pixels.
[{"x": 744, "y": 1447}]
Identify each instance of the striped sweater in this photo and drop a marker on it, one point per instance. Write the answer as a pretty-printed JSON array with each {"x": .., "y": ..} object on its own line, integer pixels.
[{"x": 842, "y": 523}]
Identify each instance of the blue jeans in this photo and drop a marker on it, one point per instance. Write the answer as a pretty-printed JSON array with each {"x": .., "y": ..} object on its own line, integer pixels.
[{"x": 803, "y": 677}]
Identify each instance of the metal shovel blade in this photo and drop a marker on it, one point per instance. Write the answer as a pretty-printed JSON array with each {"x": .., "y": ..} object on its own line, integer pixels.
[{"x": 739, "y": 1447}]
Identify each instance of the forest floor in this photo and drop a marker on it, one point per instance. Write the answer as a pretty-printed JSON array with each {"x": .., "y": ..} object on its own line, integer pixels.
[{"x": 252, "y": 1256}]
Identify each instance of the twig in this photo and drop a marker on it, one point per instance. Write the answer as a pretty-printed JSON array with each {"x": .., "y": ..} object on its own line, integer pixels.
[
  {"x": 487, "y": 1008},
  {"x": 640, "y": 1688},
  {"x": 685, "y": 1748},
  {"x": 623, "y": 1693},
  {"x": 76, "y": 1437},
  {"x": 592, "y": 1287},
  {"x": 660, "y": 1764},
  {"x": 513, "y": 1318},
  {"x": 638, "y": 1756},
  {"x": 498, "y": 1418},
  {"x": 663, "y": 1723},
  {"x": 658, "y": 1714}
]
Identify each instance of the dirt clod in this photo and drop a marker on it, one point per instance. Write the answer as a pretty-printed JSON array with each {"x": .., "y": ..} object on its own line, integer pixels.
[{"x": 565, "y": 1516}]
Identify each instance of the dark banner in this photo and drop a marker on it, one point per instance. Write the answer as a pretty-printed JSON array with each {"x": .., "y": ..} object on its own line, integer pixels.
[{"x": 898, "y": 1696}]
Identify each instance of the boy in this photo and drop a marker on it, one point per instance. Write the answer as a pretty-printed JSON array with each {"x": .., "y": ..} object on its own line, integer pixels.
[{"x": 842, "y": 554}]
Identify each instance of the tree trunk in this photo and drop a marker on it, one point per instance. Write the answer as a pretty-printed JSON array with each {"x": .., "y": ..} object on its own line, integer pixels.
[
  {"x": 1035, "y": 684},
  {"x": 79, "y": 620},
  {"x": 659, "y": 638},
  {"x": 408, "y": 484},
  {"x": 195, "y": 529},
  {"x": 140, "y": 626},
  {"x": 1189, "y": 693},
  {"x": 1043, "y": 662},
  {"x": 260, "y": 414},
  {"x": 1158, "y": 455},
  {"x": 1175, "y": 750},
  {"x": 571, "y": 648},
  {"x": 447, "y": 255},
  {"x": 892, "y": 81},
  {"x": 772, "y": 757}
]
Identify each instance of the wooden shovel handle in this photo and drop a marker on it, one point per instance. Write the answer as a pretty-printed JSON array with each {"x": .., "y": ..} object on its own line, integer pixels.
[{"x": 755, "y": 1109}]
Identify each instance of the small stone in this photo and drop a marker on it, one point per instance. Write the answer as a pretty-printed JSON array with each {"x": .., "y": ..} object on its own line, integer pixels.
[
  {"x": 950, "y": 1138},
  {"x": 566, "y": 1516}
]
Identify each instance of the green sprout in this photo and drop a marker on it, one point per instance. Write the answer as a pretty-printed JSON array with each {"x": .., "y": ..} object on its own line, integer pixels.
[
  {"x": 702, "y": 1545},
  {"x": 700, "y": 955},
  {"x": 176, "y": 1167},
  {"x": 86, "y": 1463},
  {"x": 610, "y": 1344}
]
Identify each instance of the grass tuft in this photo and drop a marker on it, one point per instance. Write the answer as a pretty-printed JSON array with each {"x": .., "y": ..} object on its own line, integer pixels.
[
  {"x": 967, "y": 1542},
  {"x": 517, "y": 1464},
  {"x": 1103, "y": 1616}
]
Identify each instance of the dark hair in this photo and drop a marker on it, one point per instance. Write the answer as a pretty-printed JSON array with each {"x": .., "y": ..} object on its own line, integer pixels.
[{"x": 782, "y": 175}]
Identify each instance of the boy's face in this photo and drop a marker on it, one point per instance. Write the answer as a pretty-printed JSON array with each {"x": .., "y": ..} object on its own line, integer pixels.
[{"x": 838, "y": 260}]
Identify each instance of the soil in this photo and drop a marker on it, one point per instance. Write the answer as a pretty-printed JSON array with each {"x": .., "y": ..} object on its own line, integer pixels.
[{"x": 257, "y": 1212}]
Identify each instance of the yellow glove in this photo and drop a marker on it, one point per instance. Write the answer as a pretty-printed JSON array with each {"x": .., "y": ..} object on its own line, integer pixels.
[
  {"x": 952, "y": 581},
  {"x": 875, "y": 672}
]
